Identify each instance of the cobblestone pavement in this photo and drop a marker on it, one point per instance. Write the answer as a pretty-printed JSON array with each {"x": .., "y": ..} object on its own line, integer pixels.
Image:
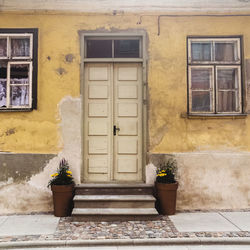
[{"x": 160, "y": 228}]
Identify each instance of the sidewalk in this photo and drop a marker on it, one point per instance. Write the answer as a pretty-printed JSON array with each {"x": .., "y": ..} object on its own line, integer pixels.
[{"x": 214, "y": 227}]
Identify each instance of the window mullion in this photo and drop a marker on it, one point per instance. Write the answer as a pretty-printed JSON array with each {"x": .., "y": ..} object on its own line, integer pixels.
[
  {"x": 215, "y": 94},
  {"x": 8, "y": 86}
]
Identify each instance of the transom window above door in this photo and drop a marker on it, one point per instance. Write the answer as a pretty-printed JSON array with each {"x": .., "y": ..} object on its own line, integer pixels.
[
  {"x": 214, "y": 75},
  {"x": 106, "y": 47}
]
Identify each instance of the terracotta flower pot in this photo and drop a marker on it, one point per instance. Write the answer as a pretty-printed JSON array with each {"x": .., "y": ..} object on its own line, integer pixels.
[
  {"x": 63, "y": 199},
  {"x": 166, "y": 194}
]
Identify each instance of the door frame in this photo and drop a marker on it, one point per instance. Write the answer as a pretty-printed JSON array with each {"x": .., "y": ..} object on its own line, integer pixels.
[{"x": 143, "y": 60}]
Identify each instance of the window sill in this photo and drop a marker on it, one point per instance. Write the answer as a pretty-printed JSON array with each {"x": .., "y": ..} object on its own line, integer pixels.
[
  {"x": 213, "y": 116},
  {"x": 16, "y": 110}
]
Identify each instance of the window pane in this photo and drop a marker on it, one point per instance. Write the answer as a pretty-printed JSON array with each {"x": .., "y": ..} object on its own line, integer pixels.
[
  {"x": 3, "y": 47},
  {"x": 3, "y": 81},
  {"x": 127, "y": 48},
  {"x": 201, "y": 78},
  {"x": 19, "y": 74},
  {"x": 225, "y": 52},
  {"x": 227, "y": 101},
  {"x": 201, "y": 51},
  {"x": 201, "y": 101},
  {"x": 20, "y": 47},
  {"x": 227, "y": 78},
  {"x": 99, "y": 48},
  {"x": 19, "y": 95}
]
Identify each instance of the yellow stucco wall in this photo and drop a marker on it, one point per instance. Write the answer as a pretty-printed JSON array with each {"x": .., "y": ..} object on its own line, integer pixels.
[{"x": 37, "y": 131}]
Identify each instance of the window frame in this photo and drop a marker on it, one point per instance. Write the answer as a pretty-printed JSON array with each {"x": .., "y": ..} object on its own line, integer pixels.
[
  {"x": 215, "y": 65},
  {"x": 113, "y": 38},
  {"x": 31, "y": 60}
]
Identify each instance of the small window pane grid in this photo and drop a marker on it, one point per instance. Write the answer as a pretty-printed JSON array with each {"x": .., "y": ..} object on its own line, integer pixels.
[
  {"x": 16, "y": 67},
  {"x": 214, "y": 76},
  {"x": 99, "y": 47}
]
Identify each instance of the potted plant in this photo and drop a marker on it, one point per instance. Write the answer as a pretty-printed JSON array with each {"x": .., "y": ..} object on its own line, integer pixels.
[
  {"x": 166, "y": 186},
  {"x": 62, "y": 185}
]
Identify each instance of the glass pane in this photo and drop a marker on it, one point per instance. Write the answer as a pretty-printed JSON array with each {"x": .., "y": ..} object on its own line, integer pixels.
[
  {"x": 225, "y": 52},
  {"x": 19, "y": 95},
  {"x": 3, "y": 47},
  {"x": 227, "y": 78},
  {"x": 19, "y": 74},
  {"x": 201, "y": 101},
  {"x": 3, "y": 81},
  {"x": 227, "y": 101},
  {"x": 201, "y": 51},
  {"x": 201, "y": 78},
  {"x": 127, "y": 48},
  {"x": 20, "y": 47},
  {"x": 99, "y": 48}
]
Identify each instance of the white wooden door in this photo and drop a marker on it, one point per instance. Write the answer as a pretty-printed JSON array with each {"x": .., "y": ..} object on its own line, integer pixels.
[{"x": 113, "y": 122}]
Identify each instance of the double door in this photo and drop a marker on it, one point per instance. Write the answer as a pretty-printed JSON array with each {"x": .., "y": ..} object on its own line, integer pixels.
[{"x": 112, "y": 122}]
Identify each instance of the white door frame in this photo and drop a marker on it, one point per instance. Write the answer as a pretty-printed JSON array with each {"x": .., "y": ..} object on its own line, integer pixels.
[{"x": 143, "y": 59}]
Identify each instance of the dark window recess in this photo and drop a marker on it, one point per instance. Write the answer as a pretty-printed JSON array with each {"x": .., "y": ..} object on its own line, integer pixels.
[
  {"x": 126, "y": 48},
  {"x": 99, "y": 48}
]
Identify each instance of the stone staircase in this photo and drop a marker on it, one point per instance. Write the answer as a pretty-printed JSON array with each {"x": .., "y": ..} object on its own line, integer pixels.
[{"x": 107, "y": 202}]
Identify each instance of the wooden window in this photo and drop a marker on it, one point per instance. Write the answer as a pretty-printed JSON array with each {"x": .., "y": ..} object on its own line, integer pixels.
[
  {"x": 18, "y": 69},
  {"x": 214, "y": 75}
]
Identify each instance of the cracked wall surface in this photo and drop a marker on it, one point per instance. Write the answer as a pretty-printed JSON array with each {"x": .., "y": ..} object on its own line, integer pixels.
[{"x": 207, "y": 150}]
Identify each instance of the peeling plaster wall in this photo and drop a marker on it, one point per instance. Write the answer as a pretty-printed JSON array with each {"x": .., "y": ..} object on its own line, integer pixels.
[
  {"x": 55, "y": 127},
  {"x": 209, "y": 180},
  {"x": 29, "y": 193}
]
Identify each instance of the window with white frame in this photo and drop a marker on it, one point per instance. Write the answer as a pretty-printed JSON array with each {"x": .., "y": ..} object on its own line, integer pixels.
[
  {"x": 214, "y": 75},
  {"x": 17, "y": 69}
]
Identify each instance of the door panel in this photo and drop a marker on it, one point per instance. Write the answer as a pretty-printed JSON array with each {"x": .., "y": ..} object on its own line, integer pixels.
[
  {"x": 128, "y": 118},
  {"x": 113, "y": 96},
  {"x": 98, "y": 122}
]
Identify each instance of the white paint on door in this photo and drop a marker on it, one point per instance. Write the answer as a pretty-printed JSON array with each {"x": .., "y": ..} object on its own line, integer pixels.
[{"x": 113, "y": 97}]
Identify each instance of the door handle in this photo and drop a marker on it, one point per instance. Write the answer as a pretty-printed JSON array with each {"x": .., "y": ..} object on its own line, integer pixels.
[{"x": 115, "y": 129}]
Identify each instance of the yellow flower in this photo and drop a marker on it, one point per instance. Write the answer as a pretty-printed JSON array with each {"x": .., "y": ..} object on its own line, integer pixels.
[
  {"x": 69, "y": 172},
  {"x": 68, "y": 175},
  {"x": 53, "y": 175}
]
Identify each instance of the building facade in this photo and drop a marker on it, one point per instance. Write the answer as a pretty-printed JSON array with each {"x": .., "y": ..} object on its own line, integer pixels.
[{"x": 116, "y": 89}]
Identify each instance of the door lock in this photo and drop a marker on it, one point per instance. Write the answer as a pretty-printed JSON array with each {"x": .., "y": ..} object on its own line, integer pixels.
[{"x": 115, "y": 129}]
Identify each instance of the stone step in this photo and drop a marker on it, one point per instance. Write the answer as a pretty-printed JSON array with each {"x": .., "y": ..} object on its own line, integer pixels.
[
  {"x": 113, "y": 214},
  {"x": 114, "y": 189},
  {"x": 114, "y": 201}
]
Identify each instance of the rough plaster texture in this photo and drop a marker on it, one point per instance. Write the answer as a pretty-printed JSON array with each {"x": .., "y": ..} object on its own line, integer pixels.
[
  {"x": 20, "y": 167},
  {"x": 212, "y": 180},
  {"x": 36, "y": 132},
  {"x": 33, "y": 195}
]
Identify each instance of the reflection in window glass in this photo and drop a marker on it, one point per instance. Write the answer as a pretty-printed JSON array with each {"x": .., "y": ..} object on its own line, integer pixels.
[
  {"x": 201, "y": 101},
  {"x": 227, "y": 78},
  {"x": 126, "y": 48},
  {"x": 201, "y": 51},
  {"x": 225, "y": 52},
  {"x": 227, "y": 101},
  {"x": 3, "y": 82},
  {"x": 201, "y": 78},
  {"x": 20, "y": 47},
  {"x": 3, "y": 47},
  {"x": 99, "y": 48},
  {"x": 19, "y": 84}
]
